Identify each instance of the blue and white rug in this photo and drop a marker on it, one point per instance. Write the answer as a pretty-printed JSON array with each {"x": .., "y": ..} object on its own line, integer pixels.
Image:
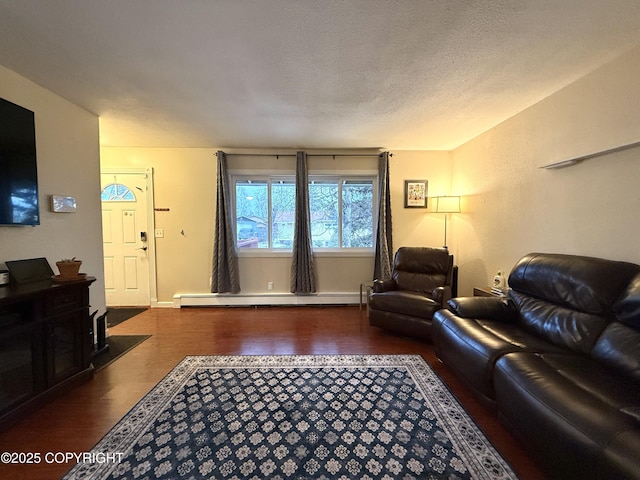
[{"x": 296, "y": 417}]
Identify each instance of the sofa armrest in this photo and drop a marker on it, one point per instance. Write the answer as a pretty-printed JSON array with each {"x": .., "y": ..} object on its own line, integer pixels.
[
  {"x": 441, "y": 295},
  {"x": 381, "y": 286},
  {"x": 490, "y": 308}
]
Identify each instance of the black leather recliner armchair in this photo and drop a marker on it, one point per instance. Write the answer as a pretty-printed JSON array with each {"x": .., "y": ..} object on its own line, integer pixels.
[{"x": 422, "y": 281}]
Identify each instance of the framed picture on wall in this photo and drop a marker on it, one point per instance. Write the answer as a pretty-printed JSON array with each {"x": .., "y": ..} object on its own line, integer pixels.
[{"x": 415, "y": 193}]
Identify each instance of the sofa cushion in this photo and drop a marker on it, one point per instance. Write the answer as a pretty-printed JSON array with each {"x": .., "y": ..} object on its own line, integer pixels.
[
  {"x": 619, "y": 348},
  {"x": 570, "y": 409},
  {"x": 492, "y": 308},
  {"x": 623, "y": 453},
  {"x": 404, "y": 302},
  {"x": 562, "y": 326},
  {"x": 612, "y": 389},
  {"x": 586, "y": 284},
  {"x": 472, "y": 346}
]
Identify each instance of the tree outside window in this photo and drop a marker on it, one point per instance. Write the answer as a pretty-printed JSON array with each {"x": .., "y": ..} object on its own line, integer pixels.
[{"x": 341, "y": 210}]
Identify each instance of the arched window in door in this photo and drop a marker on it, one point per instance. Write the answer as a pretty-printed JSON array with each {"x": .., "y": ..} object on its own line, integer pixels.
[{"x": 116, "y": 192}]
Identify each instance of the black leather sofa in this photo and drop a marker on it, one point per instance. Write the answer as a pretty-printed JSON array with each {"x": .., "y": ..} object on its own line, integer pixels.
[{"x": 559, "y": 361}]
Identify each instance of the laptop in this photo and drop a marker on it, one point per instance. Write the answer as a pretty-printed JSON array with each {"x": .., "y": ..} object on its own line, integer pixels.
[{"x": 30, "y": 270}]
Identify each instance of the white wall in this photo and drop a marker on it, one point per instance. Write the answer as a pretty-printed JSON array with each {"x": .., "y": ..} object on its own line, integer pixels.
[
  {"x": 68, "y": 156},
  {"x": 416, "y": 227},
  {"x": 185, "y": 182},
  {"x": 512, "y": 207},
  {"x": 509, "y": 206}
]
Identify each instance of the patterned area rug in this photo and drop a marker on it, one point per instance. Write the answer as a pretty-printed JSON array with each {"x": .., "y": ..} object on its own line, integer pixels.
[{"x": 296, "y": 417}]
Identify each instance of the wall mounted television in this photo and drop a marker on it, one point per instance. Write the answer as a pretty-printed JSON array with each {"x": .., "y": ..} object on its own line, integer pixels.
[{"x": 18, "y": 168}]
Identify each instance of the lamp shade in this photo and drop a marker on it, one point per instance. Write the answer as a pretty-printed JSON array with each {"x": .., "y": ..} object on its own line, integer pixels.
[{"x": 447, "y": 204}]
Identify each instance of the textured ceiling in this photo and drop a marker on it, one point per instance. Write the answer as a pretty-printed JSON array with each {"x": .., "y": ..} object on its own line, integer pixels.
[{"x": 402, "y": 74}]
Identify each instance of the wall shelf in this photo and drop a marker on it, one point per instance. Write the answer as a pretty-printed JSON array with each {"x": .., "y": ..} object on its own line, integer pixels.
[{"x": 576, "y": 160}]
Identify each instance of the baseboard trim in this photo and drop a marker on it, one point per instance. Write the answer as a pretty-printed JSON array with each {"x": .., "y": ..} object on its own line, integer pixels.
[
  {"x": 165, "y": 305},
  {"x": 248, "y": 299}
]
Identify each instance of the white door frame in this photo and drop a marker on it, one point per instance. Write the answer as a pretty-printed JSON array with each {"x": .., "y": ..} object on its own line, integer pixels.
[{"x": 151, "y": 238}]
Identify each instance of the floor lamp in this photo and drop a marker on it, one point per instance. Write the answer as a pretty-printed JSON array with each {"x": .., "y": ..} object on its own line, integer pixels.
[{"x": 447, "y": 205}]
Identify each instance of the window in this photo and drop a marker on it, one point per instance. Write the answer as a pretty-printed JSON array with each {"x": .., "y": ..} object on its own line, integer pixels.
[
  {"x": 357, "y": 213},
  {"x": 341, "y": 210},
  {"x": 116, "y": 192},
  {"x": 265, "y": 212}
]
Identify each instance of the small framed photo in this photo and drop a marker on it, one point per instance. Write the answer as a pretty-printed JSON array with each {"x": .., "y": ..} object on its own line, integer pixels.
[{"x": 415, "y": 193}]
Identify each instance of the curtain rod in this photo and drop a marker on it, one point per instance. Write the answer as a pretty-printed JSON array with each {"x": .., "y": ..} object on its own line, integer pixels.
[{"x": 334, "y": 155}]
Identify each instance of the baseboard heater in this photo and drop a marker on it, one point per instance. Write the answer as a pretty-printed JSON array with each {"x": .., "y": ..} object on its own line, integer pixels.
[{"x": 267, "y": 299}]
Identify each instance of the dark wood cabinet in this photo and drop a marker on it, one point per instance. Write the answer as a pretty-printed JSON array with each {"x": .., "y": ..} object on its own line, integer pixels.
[{"x": 45, "y": 343}]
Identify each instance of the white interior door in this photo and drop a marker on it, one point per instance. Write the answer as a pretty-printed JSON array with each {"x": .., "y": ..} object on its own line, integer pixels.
[{"x": 126, "y": 235}]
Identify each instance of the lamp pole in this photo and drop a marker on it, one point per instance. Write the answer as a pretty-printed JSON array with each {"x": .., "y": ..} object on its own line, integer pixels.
[
  {"x": 447, "y": 205},
  {"x": 445, "y": 232}
]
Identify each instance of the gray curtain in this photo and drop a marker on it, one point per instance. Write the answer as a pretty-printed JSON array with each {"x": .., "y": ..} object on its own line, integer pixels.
[
  {"x": 384, "y": 244},
  {"x": 225, "y": 276},
  {"x": 302, "y": 271}
]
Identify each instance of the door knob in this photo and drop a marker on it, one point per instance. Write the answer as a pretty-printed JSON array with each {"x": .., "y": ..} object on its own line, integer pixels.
[{"x": 142, "y": 248}]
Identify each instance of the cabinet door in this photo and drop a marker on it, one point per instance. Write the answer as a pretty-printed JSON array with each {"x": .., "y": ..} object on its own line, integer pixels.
[
  {"x": 65, "y": 346},
  {"x": 17, "y": 379}
]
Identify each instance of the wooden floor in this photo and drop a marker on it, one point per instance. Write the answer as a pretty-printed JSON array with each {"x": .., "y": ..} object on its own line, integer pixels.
[{"x": 78, "y": 420}]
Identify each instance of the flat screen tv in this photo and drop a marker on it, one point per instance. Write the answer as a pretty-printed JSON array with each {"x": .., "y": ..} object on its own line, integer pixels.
[{"x": 18, "y": 168}]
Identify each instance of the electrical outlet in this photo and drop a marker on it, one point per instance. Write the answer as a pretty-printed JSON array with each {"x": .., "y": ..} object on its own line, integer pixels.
[
  {"x": 159, "y": 233},
  {"x": 269, "y": 285}
]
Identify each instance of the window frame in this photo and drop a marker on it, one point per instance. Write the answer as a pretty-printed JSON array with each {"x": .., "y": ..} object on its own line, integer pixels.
[{"x": 289, "y": 176}]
